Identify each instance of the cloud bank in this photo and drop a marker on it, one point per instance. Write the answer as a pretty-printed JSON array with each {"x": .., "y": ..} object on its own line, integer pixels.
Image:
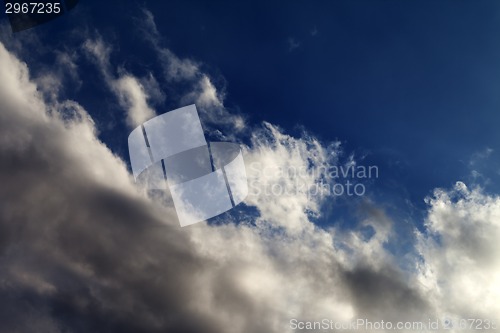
[{"x": 83, "y": 250}]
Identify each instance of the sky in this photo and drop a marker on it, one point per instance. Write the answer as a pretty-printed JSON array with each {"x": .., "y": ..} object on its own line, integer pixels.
[{"x": 305, "y": 88}]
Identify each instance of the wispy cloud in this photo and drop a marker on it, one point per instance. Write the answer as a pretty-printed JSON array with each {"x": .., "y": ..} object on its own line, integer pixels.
[
  {"x": 292, "y": 44},
  {"x": 201, "y": 88},
  {"x": 82, "y": 249},
  {"x": 129, "y": 90}
]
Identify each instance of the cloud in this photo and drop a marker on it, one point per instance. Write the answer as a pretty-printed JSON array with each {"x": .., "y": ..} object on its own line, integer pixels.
[
  {"x": 200, "y": 85},
  {"x": 129, "y": 90},
  {"x": 461, "y": 267},
  {"x": 133, "y": 97},
  {"x": 273, "y": 163},
  {"x": 79, "y": 247},
  {"x": 292, "y": 44},
  {"x": 82, "y": 249},
  {"x": 53, "y": 78},
  {"x": 62, "y": 74},
  {"x": 152, "y": 87},
  {"x": 206, "y": 95},
  {"x": 480, "y": 156},
  {"x": 177, "y": 69},
  {"x": 101, "y": 52}
]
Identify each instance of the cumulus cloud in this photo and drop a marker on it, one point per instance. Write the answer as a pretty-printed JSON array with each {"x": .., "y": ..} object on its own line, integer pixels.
[
  {"x": 284, "y": 174},
  {"x": 292, "y": 44},
  {"x": 175, "y": 68},
  {"x": 83, "y": 250},
  {"x": 461, "y": 267}
]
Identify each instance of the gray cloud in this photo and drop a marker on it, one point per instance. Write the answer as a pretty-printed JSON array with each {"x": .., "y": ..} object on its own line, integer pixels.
[
  {"x": 83, "y": 250},
  {"x": 201, "y": 88},
  {"x": 128, "y": 89}
]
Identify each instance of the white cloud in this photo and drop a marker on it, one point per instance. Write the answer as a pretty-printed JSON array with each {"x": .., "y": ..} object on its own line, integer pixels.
[
  {"x": 178, "y": 69},
  {"x": 128, "y": 89},
  {"x": 85, "y": 224},
  {"x": 76, "y": 234},
  {"x": 153, "y": 89},
  {"x": 175, "y": 68},
  {"x": 201, "y": 88},
  {"x": 100, "y": 51},
  {"x": 292, "y": 44},
  {"x": 133, "y": 97},
  {"x": 283, "y": 175},
  {"x": 461, "y": 267},
  {"x": 206, "y": 96},
  {"x": 480, "y": 156}
]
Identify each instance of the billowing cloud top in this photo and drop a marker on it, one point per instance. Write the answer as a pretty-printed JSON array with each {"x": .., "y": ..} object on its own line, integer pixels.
[{"x": 83, "y": 250}]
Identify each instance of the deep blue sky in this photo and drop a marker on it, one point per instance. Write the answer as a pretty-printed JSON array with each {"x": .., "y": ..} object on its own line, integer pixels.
[{"x": 413, "y": 85}]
